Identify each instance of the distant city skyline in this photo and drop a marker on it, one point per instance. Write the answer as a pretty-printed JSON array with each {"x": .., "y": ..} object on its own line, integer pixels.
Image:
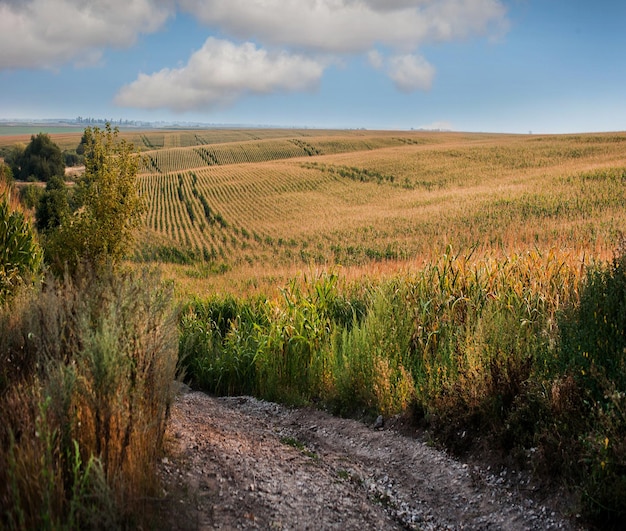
[{"x": 513, "y": 66}]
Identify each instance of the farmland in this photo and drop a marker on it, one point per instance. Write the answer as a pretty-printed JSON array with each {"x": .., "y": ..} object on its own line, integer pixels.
[
  {"x": 462, "y": 280},
  {"x": 472, "y": 283},
  {"x": 260, "y": 208}
]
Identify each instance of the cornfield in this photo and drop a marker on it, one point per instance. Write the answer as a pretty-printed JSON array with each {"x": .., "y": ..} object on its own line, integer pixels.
[{"x": 357, "y": 198}]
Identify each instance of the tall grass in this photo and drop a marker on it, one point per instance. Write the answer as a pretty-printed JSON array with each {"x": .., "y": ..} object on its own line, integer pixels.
[
  {"x": 593, "y": 354},
  {"x": 218, "y": 344},
  {"x": 447, "y": 323},
  {"x": 86, "y": 369}
]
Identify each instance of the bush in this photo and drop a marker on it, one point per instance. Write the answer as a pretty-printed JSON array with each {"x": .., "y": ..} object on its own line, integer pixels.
[
  {"x": 6, "y": 174},
  {"x": 30, "y": 195},
  {"x": 41, "y": 160},
  {"x": 86, "y": 369},
  {"x": 53, "y": 207}
]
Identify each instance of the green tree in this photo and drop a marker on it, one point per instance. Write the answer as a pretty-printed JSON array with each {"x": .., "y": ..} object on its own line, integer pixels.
[
  {"x": 72, "y": 159},
  {"x": 80, "y": 149},
  {"x": 109, "y": 206},
  {"x": 13, "y": 157},
  {"x": 41, "y": 160},
  {"x": 53, "y": 206}
]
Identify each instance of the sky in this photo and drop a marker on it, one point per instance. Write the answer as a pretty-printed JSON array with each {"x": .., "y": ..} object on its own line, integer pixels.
[{"x": 517, "y": 66}]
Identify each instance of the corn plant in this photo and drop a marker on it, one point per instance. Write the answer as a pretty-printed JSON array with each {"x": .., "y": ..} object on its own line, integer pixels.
[{"x": 20, "y": 254}]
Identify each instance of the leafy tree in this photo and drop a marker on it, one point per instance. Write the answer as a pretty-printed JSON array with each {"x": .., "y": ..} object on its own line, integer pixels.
[
  {"x": 13, "y": 156},
  {"x": 20, "y": 254},
  {"x": 80, "y": 149},
  {"x": 109, "y": 207},
  {"x": 53, "y": 206},
  {"x": 41, "y": 160}
]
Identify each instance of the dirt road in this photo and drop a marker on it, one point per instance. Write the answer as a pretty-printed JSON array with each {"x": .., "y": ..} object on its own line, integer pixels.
[{"x": 241, "y": 463}]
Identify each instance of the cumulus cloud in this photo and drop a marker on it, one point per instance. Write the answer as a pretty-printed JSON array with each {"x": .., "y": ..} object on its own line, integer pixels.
[
  {"x": 48, "y": 33},
  {"x": 411, "y": 72},
  {"x": 355, "y": 27},
  {"x": 218, "y": 74},
  {"x": 290, "y": 37},
  {"x": 340, "y": 26}
]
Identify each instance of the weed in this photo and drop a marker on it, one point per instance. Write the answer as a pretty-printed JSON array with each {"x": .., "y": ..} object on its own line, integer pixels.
[{"x": 295, "y": 443}]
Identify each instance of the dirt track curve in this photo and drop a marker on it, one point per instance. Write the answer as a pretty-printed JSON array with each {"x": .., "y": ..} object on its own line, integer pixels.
[{"x": 241, "y": 463}]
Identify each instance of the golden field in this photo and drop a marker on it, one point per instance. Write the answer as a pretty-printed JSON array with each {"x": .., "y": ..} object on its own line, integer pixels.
[
  {"x": 375, "y": 201},
  {"x": 241, "y": 210}
]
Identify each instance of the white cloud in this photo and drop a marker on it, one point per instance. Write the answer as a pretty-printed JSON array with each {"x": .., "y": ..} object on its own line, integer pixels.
[
  {"x": 357, "y": 26},
  {"x": 220, "y": 73},
  {"x": 48, "y": 33},
  {"x": 339, "y": 26},
  {"x": 411, "y": 72}
]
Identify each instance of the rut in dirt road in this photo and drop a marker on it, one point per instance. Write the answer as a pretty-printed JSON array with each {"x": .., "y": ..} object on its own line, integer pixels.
[{"x": 241, "y": 463}]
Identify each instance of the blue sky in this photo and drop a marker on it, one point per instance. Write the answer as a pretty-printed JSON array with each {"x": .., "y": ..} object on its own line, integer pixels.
[{"x": 546, "y": 66}]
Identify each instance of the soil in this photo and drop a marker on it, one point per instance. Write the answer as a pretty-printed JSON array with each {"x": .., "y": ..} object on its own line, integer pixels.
[{"x": 242, "y": 463}]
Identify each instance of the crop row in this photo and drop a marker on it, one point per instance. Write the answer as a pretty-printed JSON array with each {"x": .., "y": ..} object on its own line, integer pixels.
[
  {"x": 215, "y": 208},
  {"x": 350, "y": 172},
  {"x": 282, "y": 212},
  {"x": 198, "y": 156}
]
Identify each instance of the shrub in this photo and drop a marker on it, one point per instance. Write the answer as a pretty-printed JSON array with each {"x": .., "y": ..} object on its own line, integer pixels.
[
  {"x": 30, "y": 195},
  {"x": 101, "y": 230},
  {"x": 53, "y": 206},
  {"x": 87, "y": 368},
  {"x": 41, "y": 159}
]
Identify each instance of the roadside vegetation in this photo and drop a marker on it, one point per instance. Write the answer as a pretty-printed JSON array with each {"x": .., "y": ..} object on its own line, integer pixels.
[
  {"x": 475, "y": 284},
  {"x": 87, "y": 357},
  {"x": 524, "y": 354}
]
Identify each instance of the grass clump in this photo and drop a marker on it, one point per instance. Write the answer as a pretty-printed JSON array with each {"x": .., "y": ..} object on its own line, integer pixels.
[
  {"x": 218, "y": 344},
  {"x": 86, "y": 371}
]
